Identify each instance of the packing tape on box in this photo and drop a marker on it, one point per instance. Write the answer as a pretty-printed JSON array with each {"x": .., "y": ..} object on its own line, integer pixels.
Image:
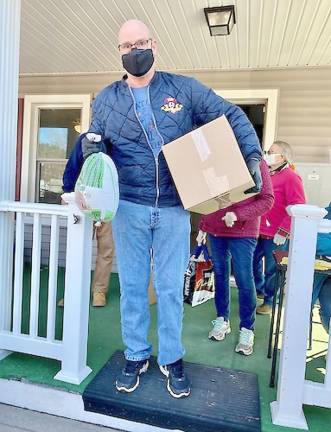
[
  {"x": 201, "y": 144},
  {"x": 216, "y": 184}
]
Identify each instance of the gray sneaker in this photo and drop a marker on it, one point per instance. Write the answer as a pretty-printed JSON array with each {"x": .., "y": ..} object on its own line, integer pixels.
[
  {"x": 246, "y": 342},
  {"x": 220, "y": 330}
]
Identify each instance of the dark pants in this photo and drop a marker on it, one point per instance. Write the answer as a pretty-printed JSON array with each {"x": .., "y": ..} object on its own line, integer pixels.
[
  {"x": 265, "y": 281},
  {"x": 241, "y": 250}
]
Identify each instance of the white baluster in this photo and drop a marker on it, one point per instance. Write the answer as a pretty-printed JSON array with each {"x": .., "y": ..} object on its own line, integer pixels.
[
  {"x": 52, "y": 277},
  {"x": 18, "y": 276},
  {"x": 35, "y": 276}
]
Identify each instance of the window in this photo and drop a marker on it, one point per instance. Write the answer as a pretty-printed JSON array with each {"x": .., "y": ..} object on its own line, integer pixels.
[
  {"x": 52, "y": 124},
  {"x": 57, "y": 134}
]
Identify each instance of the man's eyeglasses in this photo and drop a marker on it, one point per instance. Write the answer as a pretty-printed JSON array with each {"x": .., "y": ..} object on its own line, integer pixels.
[{"x": 140, "y": 44}]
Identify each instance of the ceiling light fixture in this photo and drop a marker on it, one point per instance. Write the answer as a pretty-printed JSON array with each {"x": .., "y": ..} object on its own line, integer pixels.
[{"x": 220, "y": 20}]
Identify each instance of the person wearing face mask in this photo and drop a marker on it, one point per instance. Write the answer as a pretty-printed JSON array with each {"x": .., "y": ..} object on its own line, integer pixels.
[
  {"x": 139, "y": 114},
  {"x": 233, "y": 234},
  {"x": 275, "y": 224}
]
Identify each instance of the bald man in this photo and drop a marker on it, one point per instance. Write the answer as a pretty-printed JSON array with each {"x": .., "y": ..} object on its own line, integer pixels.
[{"x": 139, "y": 114}]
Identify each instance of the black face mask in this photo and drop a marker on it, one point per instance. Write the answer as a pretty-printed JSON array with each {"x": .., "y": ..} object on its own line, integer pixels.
[{"x": 138, "y": 61}]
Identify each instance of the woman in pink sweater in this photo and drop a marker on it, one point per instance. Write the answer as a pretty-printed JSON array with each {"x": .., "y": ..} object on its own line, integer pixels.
[
  {"x": 275, "y": 225},
  {"x": 233, "y": 233}
]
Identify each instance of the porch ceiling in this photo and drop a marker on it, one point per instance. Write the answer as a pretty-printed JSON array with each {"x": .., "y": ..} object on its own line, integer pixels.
[{"x": 80, "y": 36}]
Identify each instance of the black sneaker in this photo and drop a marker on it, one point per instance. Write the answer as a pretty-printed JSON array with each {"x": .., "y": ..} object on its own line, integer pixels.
[
  {"x": 128, "y": 380},
  {"x": 178, "y": 384}
]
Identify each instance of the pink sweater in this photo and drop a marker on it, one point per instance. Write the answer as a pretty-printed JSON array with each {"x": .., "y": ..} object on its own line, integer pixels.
[
  {"x": 248, "y": 212},
  {"x": 288, "y": 189}
]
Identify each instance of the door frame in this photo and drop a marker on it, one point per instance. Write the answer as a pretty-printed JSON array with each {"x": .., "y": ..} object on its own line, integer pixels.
[
  {"x": 267, "y": 97},
  {"x": 32, "y": 104}
]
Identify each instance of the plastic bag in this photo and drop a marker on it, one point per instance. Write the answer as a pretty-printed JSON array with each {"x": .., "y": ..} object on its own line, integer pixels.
[
  {"x": 96, "y": 190},
  {"x": 199, "y": 278}
]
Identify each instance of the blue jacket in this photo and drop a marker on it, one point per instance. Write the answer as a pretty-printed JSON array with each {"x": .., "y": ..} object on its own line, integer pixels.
[
  {"x": 75, "y": 163},
  {"x": 179, "y": 104}
]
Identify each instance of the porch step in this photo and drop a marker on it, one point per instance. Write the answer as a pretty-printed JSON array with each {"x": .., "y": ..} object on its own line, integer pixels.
[{"x": 222, "y": 400}]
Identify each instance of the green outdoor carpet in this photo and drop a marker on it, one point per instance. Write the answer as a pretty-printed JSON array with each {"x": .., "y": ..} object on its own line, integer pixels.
[{"x": 105, "y": 339}]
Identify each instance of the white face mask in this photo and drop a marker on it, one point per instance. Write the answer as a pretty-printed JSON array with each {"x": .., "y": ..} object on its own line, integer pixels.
[{"x": 271, "y": 159}]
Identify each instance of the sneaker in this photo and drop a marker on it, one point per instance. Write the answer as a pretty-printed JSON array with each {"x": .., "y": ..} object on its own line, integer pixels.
[
  {"x": 128, "y": 380},
  {"x": 220, "y": 330},
  {"x": 246, "y": 342},
  {"x": 178, "y": 384},
  {"x": 264, "y": 309},
  {"x": 99, "y": 299}
]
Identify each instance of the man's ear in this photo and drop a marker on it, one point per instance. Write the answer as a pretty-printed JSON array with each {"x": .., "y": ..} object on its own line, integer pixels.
[{"x": 154, "y": 46}]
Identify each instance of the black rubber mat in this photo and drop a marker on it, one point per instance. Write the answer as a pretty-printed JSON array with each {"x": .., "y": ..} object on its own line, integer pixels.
[{"x": 222, "y": 400}]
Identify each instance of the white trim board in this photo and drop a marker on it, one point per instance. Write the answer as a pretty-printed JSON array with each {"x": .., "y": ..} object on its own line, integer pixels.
[
  {"x": 63, "y": 404},
  {"x": 269, "y": 97}
]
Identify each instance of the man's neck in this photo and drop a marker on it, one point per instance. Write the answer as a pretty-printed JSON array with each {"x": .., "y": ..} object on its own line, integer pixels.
[{"x": 143, "y": 81}]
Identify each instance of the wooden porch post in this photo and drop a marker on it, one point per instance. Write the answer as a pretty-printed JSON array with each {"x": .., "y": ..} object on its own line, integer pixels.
[{"x": 9, "y": 72}]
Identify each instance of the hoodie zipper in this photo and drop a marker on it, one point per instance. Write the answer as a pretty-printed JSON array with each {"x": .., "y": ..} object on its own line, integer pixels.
[{"x": 156, "y": 158}]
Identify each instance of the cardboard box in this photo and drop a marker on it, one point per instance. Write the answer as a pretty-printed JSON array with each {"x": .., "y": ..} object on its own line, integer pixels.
[{"x": 208, "y": 168}]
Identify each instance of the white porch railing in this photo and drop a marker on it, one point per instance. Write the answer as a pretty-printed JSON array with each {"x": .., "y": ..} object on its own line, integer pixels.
[
  {"x": 72, "y": 349},
  {"x": 292, "y": 389}
]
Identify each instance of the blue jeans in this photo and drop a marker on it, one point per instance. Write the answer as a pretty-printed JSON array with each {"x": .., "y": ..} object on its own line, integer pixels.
[
  {"x": 137, "y": 230},
  {"x": 241, "y": 250},
  {"x": 258, "y": 276},
  {"x": 322, "y": 292},
  {"x": 265, "y": 282}
]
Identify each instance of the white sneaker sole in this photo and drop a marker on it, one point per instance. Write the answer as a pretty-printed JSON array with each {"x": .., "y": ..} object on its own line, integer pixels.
[
  {"x": 130, "y": 390},
  {"x": 244, "y": 352},
  {"x": 175, "y": 395},
  {"x": 165, "y": 372},
  {"x": 221, "y": 336}
]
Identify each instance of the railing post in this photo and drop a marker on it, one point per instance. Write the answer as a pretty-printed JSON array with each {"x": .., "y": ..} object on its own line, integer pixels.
[
  {"x": 76, "y": 298},
  {"x": 9, "y": 62},
  {"x": 287, "y": 409}
]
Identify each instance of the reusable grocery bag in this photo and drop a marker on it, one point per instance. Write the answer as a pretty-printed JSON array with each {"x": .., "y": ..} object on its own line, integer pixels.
[{"x": 199, "y": 279}]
